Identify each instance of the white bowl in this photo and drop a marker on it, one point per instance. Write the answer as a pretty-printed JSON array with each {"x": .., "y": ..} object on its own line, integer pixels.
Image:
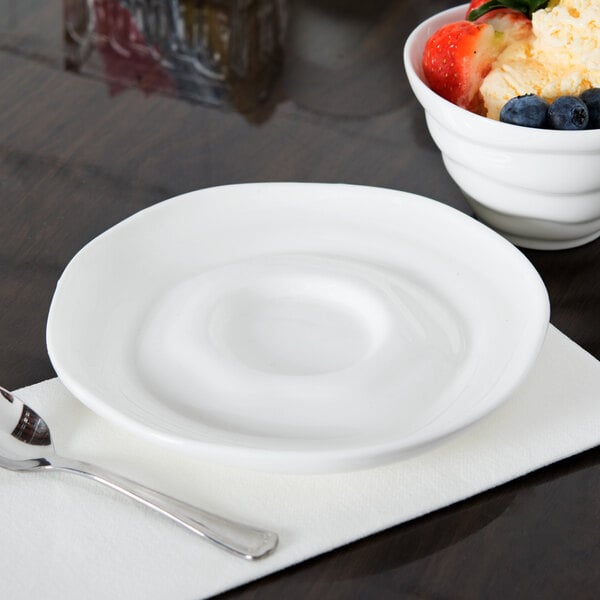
[{"x": 539, "y": 188}]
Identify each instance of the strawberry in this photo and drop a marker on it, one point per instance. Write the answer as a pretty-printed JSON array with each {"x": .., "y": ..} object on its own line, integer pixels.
[
  {"x": 474, "y": 4},
  {"x": 456, "y": 59},
  {"x": 512, "y": 22},
  {"x": 458, "y": 56}
]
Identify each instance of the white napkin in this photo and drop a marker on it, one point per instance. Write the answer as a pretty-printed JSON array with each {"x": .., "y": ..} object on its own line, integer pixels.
[{"x": 66, "y": 537}]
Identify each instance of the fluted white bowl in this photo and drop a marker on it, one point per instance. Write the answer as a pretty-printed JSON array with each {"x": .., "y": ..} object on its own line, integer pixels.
[{"x": 539, "y": 188}]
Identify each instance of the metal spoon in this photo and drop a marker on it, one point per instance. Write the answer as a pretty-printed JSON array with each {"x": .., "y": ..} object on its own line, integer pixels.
[{"x": 23, "y": 433}]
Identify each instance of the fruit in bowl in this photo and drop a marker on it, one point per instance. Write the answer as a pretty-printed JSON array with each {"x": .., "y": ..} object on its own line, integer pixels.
[
  {"x": 539, "y": 187},
  {"x": 500, "y": 52},
  {"x": 460, "y": 54}
]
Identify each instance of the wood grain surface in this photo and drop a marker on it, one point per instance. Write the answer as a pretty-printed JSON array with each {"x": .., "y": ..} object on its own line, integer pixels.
[{"x": 100, "y": 118}]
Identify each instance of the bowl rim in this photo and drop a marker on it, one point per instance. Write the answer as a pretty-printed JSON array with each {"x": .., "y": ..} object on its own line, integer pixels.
[{"x": 474, "y": 126}]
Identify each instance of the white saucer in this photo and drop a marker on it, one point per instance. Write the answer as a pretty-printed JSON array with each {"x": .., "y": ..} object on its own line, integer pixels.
[{"x": 296, "y": 327}]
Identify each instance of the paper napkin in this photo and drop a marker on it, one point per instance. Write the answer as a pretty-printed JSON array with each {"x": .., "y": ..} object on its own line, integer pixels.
[{"x": 66, "y": 537}]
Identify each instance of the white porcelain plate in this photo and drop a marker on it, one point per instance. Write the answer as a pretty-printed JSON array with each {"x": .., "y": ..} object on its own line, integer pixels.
[{"x": 296, "y": 327}]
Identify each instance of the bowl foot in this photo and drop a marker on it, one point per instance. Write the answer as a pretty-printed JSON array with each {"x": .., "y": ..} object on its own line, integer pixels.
[{"x": 536, "y": 234}]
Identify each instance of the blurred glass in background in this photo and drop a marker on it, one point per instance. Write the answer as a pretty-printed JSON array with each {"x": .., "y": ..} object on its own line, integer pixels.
[{"x": 225, "y": 53}]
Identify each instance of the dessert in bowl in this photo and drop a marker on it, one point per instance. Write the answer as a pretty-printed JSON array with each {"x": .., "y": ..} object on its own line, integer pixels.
[{"x": 538, "y": 187}]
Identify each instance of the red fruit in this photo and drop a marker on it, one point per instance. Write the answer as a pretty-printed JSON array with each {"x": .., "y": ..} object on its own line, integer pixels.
[
  {"x": 475, "y": 4},
  {"x": 512, "y": 22},
  {"x": 456, "y": 59}
]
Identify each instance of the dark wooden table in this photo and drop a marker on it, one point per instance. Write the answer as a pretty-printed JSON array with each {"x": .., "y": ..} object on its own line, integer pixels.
[{"x": 100, "y": 117}]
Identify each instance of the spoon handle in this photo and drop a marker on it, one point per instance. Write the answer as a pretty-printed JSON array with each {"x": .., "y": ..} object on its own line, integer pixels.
[{"x": 240, "y": 539}]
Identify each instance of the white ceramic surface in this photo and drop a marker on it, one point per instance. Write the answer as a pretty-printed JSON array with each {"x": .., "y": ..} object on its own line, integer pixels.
[
  {"x": 296, "y": 327},
  {"x": 539, "y": 188}
]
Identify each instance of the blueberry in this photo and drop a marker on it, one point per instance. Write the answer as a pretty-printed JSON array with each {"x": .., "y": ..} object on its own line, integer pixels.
[
  {"x": 568, "y": 112},
  {"x": 528, "y": 110},
  {"x": 592, "y": 101}
]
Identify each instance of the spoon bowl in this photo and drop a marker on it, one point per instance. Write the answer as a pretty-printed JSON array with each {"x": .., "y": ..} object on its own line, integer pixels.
[{"x": 26, "y": 445}]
